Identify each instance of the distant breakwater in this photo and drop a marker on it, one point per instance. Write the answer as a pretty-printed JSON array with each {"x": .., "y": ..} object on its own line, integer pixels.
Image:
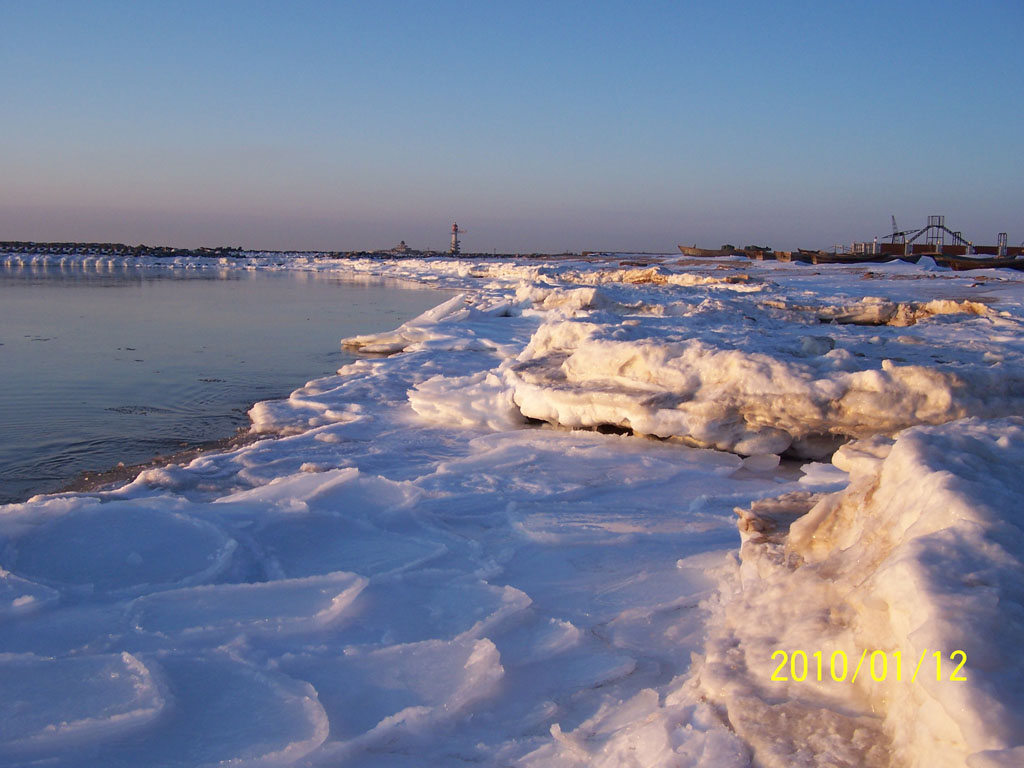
[
  {"x": 117, "y": 249},
  {"x": 162, "y": 251}
]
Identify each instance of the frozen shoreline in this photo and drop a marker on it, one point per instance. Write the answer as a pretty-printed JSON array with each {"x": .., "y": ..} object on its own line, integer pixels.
[{"x": 429, "y": 564}]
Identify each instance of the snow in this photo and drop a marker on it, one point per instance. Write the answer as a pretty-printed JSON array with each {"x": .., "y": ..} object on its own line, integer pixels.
[{"x": 507, "y": 535}]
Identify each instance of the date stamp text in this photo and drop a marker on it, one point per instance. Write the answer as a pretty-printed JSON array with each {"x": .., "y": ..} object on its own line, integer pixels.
[{"x": 799, "y": 666}]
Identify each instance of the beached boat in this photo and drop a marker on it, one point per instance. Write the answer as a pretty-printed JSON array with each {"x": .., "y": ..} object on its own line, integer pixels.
[
  {"x": 961, "y": 263},
  {"x": 751, "y": 253},
  {"x": 688, "y": 250},
  {"x": 832, "y": 257}
]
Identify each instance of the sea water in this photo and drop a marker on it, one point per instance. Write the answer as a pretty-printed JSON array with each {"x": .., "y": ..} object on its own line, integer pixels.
[{"x": 101, "y": 365}]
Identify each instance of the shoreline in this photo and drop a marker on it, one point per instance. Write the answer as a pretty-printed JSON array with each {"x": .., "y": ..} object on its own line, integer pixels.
[{"x": 124, "y": 474}]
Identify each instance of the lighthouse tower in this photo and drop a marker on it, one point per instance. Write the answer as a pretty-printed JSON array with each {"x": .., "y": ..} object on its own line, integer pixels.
[{"x": 455, "y": 240}]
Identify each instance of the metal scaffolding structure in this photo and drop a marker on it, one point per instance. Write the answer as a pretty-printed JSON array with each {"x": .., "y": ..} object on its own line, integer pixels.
[{"x": 935, "y": 236}]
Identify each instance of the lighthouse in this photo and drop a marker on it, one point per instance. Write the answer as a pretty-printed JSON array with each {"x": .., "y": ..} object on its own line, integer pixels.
[{"x": 455, "y": 240}]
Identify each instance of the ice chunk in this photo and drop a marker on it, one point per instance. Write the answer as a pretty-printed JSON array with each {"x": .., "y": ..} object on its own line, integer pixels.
[
  {"x": 481, "y": 399},
  {"x": 922, "y": 554},
  {"x": 276, "y": 607},
  {"x": 225, "y": 713},
  {"x": 421, "y": 328},
  {"x": 640, "y": 731},
  {"x": 763, "y": 462},
  {"x": 342, "y": 490},
  {"x": 316, "y": 543},
  {"x": 121, "y": 549},
  {"x": 403, "y": 693},
  {"x": 19, "y": 596},
  {"x": 812, "y": 346},
  {"x": 749, "y": 400},
  {"x": 50, "y": 705},
  {"x": 423, "y": 605},
  {"x": 452, "y": 674}
]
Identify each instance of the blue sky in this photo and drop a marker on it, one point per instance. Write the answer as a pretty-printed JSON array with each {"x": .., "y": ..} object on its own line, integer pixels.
[{"x": 541, "y": 126}]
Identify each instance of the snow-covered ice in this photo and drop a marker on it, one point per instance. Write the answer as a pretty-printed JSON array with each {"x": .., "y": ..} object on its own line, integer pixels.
[{"x": 564, "y": 518}]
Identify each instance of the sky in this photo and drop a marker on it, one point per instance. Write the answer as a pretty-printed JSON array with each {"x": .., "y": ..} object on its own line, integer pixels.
[{"x": 538, "y": 126}]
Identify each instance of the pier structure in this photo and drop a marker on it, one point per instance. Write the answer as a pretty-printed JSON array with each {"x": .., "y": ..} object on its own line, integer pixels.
[
  {"x": 946, "y": 246},
  {"x": 936, "y": 238}
]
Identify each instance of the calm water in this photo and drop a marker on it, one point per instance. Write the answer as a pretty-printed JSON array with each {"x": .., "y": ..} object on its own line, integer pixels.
[{"x": 121, "y": 364}]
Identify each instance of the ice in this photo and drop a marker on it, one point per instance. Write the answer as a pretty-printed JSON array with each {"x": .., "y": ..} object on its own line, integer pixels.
[
  {"x": 762, "y": 462},
  {"x": 922, "y": 553},
  {"x": 431, "y": 605},
  {"x": 224, "y": 713},
  {"x": 277, "y": 607},
  {"x": 424, "y": 328},
  {"x": 19, "y": 595},
  {"x": 637, "y": 732},
  {"x": 120, "y": 549},
  {"x": 53, "y": 705},
  {"x": 485, "y": 400},
  {"x": 506, "y": 535},
  {"x": 403, "y": 693},
  {"x": 741, "y": 395},
  {"x": 318, "y": 543}
]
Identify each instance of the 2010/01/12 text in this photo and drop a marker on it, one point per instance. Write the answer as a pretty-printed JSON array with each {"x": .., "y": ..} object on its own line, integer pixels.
[{"x": 799, "y": 666}]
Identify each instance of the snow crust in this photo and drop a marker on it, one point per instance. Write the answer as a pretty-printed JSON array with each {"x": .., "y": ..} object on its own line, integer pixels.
[{"x": 507, "y": 536}]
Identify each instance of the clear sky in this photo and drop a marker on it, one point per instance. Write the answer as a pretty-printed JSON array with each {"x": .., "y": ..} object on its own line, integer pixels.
[{"x": 541, "y": 126}]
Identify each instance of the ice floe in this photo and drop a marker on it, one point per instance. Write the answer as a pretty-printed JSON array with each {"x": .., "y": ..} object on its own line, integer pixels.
[
  {"x": 52, "y": 705},
  {"x": 119, "y": 549},
  {"x": 278, "y": 607}
]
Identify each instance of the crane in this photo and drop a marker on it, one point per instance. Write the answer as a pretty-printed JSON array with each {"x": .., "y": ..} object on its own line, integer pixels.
[{"x": 897, "y": 233}]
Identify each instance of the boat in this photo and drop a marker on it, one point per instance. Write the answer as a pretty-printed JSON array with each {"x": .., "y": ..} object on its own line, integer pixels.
[
  {"x": 807, "y": 256},
  {"x": 833, "y": 257},
  {"x": 707, "y": 252},
  {"x": 962, "y": 263},
  {"x": 760, "y": 254}
]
